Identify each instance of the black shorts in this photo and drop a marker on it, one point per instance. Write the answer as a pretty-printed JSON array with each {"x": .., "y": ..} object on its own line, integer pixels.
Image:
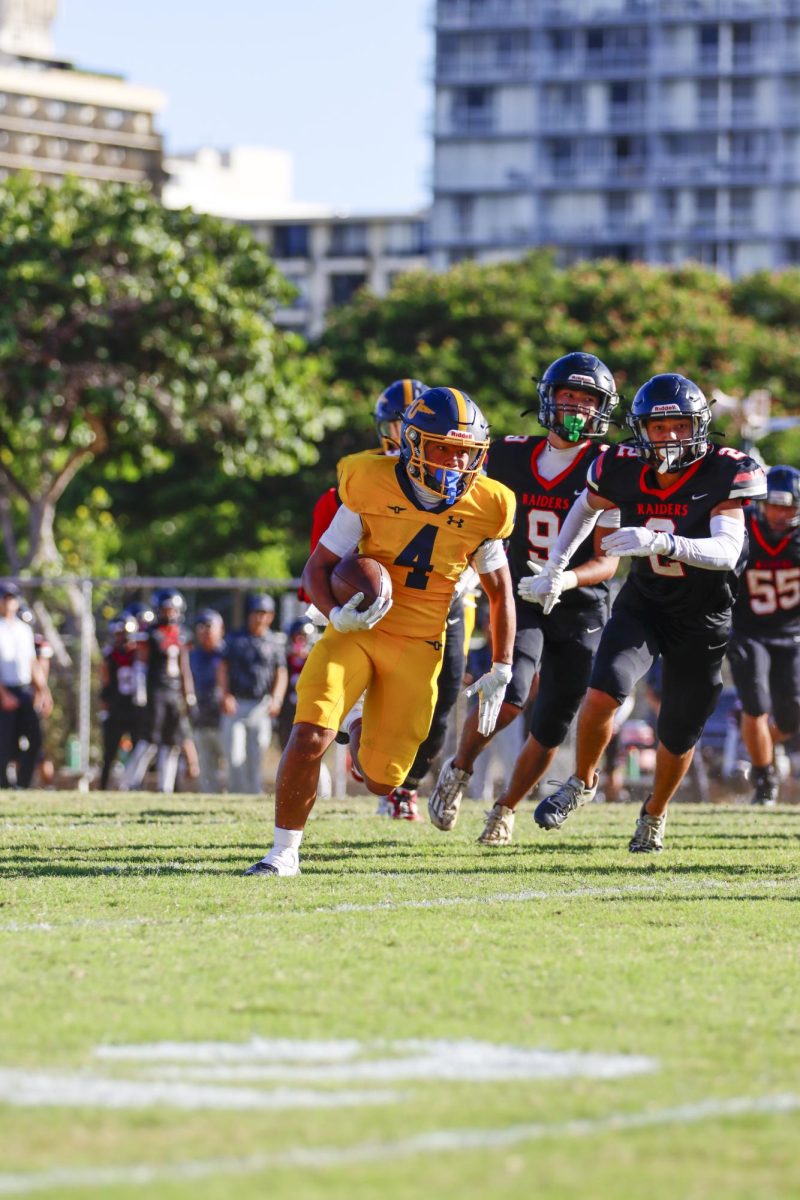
[
  {"x": 166, "y": 723},
  {"x": 560, "y": 647},
  {"x": 691, "y": 659},
  {"x": 767, "y": 677}
]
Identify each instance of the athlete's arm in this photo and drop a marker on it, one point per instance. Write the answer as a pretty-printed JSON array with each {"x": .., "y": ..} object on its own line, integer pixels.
[
  {"x": 578, "y": 524},
  {"x": 720, "y": 552},
  {"x": 598, "y": 569},
  {"x": 491, "y": 687},
  {"x": 316, "y": 577},
  {"x": 502, "y": 613}
]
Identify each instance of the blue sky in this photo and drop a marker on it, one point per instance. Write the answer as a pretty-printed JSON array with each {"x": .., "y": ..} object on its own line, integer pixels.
[{"x": 344, "y": 85}]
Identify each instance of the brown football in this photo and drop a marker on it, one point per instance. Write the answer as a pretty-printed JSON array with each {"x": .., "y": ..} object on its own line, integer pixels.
[{"x": 357, "y": 573}]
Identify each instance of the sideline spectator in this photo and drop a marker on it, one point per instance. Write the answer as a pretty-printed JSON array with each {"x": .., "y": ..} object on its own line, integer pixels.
[
  {"x": 118, "y": 710},
  {"x": 252, "y": 678},
  {"x": 24, "y": 694},
  {"x": 204, "y": 660},
  {"x": 300, "y": 639},
  {"x": 44, "y": 653}
]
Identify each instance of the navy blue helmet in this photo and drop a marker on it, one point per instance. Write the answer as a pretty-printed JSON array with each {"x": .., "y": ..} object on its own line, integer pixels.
[
  {"x": 443, "y": 417},
  {"x": 389, "y": 408},
  {"x": 662, "y": 397},
  {"x": 578, "y": 372},
  {"x": 166, "y": 601},
  {"x": 783, "y": 491}
]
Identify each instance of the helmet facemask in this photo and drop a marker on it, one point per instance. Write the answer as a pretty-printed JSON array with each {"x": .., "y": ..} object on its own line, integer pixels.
[
  {"x": 676, "y": 453},
  {"x": 446, "y": 483},
  {"x": 570, "y": 419}
]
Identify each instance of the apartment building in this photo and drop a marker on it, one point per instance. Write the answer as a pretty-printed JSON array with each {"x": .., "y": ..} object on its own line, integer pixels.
[
  {"x": 656, "y": 130},
  {"x": 56, "y": 119},
  {"x": 329, "y": 258}
]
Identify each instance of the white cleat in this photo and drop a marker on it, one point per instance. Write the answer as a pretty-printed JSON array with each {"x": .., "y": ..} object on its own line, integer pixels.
[
  {"x": 499, "y": 827},
  {"x": 445, "y": 799}
]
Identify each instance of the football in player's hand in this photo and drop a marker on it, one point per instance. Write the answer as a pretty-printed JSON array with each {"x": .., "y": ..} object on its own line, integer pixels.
[{"x": 357, "y": 573}]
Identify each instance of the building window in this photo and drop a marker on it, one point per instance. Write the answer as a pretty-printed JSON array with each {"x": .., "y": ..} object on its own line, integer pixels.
[
  {"x": 348, "y": 240},
  {"x": 86, "y": 114},
  {"x": 708, "y": 44},
  {"x": 141, "y": 123},
  {"x": 300, "y": 298},
  {"x": 290, "y": 241},
  {"x": 472, "y": 109},
  {"x": 56, "y": 110},
  {"x": 463, "y": 215},
  {"x": 405, "y": 238},
  {"x": 344, "y": 287},
  {"x": 26, "y": 106},
  {"x": 742, "y": 204}
]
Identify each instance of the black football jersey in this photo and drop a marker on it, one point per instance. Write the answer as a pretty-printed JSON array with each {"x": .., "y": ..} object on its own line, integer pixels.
[
  {"x": 542, "y": 505},
  {"x": 164, "y": 658},
  {"x": 691, "y": 593},
  {"x": 768, "y": 604}
]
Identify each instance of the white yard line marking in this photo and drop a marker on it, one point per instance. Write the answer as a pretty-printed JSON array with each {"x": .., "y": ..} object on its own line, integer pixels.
[
  {"x": 437, "y": 1142},
  {"x": 687, "y": 888}
]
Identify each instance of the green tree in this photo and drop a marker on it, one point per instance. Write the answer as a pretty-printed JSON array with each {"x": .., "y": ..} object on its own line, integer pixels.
[
  {"x": 129, "y": 330},
  {"x": 490, "y": 329}
]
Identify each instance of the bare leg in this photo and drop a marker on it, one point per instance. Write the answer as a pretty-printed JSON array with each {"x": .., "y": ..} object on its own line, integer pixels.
[
  {"x": 595, "y": 730},
  {"x": 533, "y": 761},
  {"x": 670, "y": 770},
  {"x": 757, "y": 737},
  {"x": 471, "y": 742},
  {"x": 298, "y": 774}
]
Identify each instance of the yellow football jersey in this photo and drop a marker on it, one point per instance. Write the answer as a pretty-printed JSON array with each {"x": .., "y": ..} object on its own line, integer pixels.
[{"x": 424, "y": 550}]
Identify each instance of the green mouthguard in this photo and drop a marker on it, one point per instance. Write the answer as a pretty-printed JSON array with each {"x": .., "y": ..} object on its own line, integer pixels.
[{"x": 573, "y": 425}]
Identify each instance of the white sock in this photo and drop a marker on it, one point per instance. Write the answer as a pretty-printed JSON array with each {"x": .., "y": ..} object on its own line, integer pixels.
[{"x": 287, "y": 839}]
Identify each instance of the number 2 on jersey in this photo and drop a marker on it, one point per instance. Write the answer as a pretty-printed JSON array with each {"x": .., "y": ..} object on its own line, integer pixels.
[{"x": 417, "y": 555}]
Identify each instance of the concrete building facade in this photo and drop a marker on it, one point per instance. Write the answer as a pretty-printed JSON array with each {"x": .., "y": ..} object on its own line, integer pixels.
[
  {"x": 56, "y": 119},
  {"x": 329, "y": 258},
  {"x": 656, "y": 130}
]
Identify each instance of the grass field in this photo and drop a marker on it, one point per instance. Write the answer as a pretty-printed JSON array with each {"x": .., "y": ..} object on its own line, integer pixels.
[{"x": 415, "y": 1014}]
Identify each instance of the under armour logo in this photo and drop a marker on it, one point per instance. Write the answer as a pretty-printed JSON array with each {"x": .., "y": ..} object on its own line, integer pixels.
[
  {"x": 459, "y": 521},
  {"x": 395, "y": 508},
  {"x": 436, "y": 645}
]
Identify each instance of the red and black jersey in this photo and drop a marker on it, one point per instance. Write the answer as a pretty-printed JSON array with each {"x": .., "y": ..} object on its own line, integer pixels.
[
  {"x": 542, "y": 505},
  {"x": 165, "y": 643},
  {"x": 684, "y": 508},
  {"x": 768, "y": 604},
  {"x": 120, "y": 664}
]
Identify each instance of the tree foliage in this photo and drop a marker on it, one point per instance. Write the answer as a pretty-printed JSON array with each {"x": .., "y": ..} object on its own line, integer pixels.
[
  {"x": 490, "y": 329},
  {"x": 128, "y": 330}
]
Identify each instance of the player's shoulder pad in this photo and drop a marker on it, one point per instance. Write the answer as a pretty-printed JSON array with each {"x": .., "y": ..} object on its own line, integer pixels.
[
  {"x": 748, "y": 478},
  {"x": 361, "y": 470},
  {"x": 502, "y": 497}
]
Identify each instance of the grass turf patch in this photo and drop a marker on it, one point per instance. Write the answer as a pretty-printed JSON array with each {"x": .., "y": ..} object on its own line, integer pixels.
[{"x": 125, "y": 921}]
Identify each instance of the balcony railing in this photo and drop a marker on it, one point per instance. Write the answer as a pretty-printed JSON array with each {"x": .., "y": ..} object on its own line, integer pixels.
[
  {"x": 463, "y": 14},
  {"x": 480, "y": 68}
]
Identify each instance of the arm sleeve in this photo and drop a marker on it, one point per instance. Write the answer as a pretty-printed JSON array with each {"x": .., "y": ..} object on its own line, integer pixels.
[
  {"x": 324, "y": 511},
  {"x": 578, "y": 524},
  {"x": 489, "y": 556},
  {"x": 344, "y": 532},
  {"x": 609, "y": 518},
  {"x": 720, "y": 552}
]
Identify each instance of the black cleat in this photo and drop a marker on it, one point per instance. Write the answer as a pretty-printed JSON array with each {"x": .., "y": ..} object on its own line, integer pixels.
[
  {"x": 766, "y": 786},
  {"x": 261, "y": 868}
]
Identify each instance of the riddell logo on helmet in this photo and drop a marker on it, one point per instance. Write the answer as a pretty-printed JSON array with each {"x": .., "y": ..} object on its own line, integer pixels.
[
  {"x": 459, "y": 435},
  {"x": 585, "y": 379},
  {"x": 665, "y": 408}
]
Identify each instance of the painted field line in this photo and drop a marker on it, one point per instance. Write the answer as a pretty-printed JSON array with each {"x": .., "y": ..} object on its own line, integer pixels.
[
  {"x": 526, "y": 896},
  {"x": 437, "y": 1142}
]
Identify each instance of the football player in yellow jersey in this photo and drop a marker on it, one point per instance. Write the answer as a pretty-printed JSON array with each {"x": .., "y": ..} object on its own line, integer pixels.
[{"x": 425, "y": 516}]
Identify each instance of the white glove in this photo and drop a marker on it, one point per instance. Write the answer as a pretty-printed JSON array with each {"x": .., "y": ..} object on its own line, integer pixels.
[
  {"x": 346, "y": 619},
  {"x": 545, "y": 584},
  {"x": 636, "y": 541},
  {"x": 490, "y": 690}
]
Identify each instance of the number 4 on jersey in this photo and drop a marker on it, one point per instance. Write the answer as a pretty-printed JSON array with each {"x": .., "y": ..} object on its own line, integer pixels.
[{"x": 417, "y": 555}]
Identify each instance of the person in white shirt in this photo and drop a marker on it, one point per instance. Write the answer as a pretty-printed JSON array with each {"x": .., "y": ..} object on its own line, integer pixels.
[{"x": 24, "y": 694}]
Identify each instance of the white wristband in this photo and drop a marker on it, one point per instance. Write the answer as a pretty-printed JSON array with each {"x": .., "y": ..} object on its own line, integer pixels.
[{"x": 568, "y": 580}]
